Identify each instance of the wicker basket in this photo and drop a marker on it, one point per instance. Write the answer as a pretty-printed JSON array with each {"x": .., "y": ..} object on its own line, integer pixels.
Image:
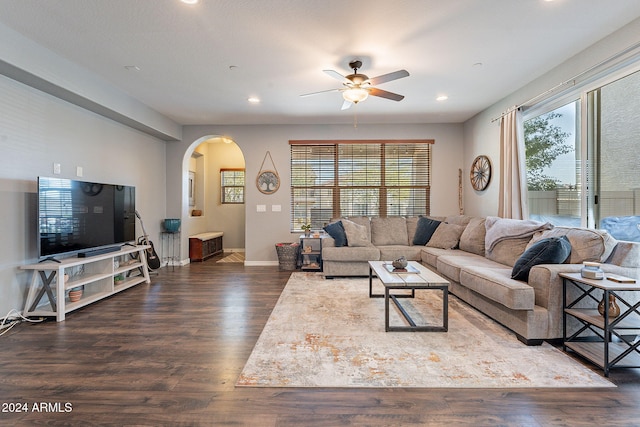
[{"x": 287, "y": 255}]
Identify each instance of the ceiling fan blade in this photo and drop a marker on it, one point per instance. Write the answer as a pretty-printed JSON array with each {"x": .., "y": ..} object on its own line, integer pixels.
[
  {"x": 336, "y": 75},
  {"x": 346, "y": 105},
  {"x": 388, "y": 77},
  {"x": 322, "y": 91},
  {"x": 384, "y": 94}
]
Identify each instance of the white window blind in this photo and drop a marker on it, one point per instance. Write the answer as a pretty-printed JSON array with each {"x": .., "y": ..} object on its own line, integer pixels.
[{"x": 331, "y": 179}]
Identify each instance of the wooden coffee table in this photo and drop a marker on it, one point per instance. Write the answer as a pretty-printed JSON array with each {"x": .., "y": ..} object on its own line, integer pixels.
[{"x": 417, "y": 277}]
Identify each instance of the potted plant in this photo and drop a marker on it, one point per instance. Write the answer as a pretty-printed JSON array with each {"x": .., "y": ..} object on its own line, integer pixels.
[{"x": 307, "y": 229}]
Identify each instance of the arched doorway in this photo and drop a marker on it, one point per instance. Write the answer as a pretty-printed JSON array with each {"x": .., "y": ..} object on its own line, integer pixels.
[{"x": 203, "y": 207}]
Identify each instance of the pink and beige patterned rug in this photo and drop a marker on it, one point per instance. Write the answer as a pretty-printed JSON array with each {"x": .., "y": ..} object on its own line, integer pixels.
[{"x": 329, "y": 333}]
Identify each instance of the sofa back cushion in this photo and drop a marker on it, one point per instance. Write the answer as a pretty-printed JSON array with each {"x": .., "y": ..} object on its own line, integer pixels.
[
  {"x": 389, "y": 231},
  {"x": 472, "y": 239},
  {"x": 412, "y": 223},
  {"x": 586, "y": 244},
  {"x": 458, "y": 219},
  {"x": 626, "y": 254},
  {"x": 508, "y": 251}
]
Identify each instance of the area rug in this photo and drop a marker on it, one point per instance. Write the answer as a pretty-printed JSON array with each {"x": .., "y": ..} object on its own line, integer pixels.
[
  {"x": 234, "y": 257},
  {"x": 329, "y": 333}
]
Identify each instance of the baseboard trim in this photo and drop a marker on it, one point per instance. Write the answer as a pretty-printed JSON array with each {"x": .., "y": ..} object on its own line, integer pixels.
[{"x": 260, "y": 263}]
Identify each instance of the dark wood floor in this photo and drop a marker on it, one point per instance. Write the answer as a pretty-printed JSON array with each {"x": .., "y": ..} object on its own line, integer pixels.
[{"x": 169, "y": 353}]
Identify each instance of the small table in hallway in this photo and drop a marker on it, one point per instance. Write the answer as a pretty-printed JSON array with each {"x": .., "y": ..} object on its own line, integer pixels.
[{"x": 419, "y": 278}]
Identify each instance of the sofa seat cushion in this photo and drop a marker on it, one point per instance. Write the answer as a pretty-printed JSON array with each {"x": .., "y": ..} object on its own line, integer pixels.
[
  {"x": 429, "y": 256},
  {"x": 497, "y": 285},
  {"x": 389, "y": 231},
  {"x": 451, "y": 265},
  {"x": 391, "y": 252},
  {"x": 348, "y": 253}
]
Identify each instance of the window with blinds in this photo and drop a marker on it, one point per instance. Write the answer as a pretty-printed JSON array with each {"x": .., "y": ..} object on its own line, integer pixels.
[
  {"x": 232, "y": 186},
  {"x": 331, "y": 179}
]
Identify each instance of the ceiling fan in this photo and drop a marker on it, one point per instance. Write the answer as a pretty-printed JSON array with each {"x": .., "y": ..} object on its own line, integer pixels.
[{"x": 358, "y": 87}]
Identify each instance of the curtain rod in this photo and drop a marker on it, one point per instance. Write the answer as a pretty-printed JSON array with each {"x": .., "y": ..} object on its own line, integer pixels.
[{"x": 571, "y": 81}]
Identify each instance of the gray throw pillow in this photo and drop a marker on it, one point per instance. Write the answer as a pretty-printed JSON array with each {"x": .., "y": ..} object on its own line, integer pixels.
[
  {"x": 357, "y": 235},
  {"x": 446, "y": 236},
  {"x": 424, "y": 230},
  {"x": 336, "y": 230},
  {"x": 552, "y": 250}
]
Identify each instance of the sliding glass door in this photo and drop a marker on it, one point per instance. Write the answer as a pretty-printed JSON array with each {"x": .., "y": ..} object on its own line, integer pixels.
[
  {"x": 614, "y": 137},
  {"x": 582, "y": 159}
]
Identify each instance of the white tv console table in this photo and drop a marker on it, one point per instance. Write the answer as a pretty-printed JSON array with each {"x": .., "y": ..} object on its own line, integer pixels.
[{"x": 97, "y": 274}]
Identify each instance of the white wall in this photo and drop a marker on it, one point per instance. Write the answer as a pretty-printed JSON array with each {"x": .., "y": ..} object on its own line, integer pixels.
[
  {"x": 37, "y": 130},
  {"x": 263, "y": 230},
  {"x": 481, "y": 136}
]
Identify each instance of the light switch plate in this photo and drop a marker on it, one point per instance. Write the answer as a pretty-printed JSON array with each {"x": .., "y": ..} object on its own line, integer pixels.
[{"x": 261, "y": 208}]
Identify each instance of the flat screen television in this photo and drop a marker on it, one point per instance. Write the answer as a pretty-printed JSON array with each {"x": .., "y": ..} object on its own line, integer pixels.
[{"x": 76, "y": 217}]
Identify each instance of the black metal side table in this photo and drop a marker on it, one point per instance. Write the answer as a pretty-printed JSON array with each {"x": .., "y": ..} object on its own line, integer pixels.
[{"x": 604, "y": 340}]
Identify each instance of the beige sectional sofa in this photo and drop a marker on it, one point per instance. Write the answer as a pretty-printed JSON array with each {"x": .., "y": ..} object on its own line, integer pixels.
[{"x": 477, "y": 256}]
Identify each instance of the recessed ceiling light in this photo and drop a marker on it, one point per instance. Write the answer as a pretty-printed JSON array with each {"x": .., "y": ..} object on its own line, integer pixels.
[
  {"x": 442, "y": 98},
  {"x": 253, "y": 100},
  {"x": 189, "y": 1}
]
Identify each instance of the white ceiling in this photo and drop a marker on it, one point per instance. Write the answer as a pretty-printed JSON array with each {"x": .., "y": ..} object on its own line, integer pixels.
[{"x": 199, "y": 64}]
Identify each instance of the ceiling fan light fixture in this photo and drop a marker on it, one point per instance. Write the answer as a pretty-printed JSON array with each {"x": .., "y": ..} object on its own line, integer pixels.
[{"x": 355, "y": 95}]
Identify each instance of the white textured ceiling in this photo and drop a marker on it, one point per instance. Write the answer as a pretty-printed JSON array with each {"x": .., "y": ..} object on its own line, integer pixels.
[{"x": 199, "y": 64}]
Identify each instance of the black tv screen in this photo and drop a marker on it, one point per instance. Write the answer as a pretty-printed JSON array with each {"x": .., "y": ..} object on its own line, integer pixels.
[{"x": 77, "y": 215}]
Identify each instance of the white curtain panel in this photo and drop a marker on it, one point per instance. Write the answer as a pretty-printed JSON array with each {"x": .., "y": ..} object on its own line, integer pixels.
[{"x": 513, "y": 182}]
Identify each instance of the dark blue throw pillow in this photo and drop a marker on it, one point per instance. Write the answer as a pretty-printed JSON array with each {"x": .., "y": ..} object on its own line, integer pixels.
[
  {"x": 424, "y": 230},
  {"x": 336, "y": 230},
  {"x": 552, "y": 250}
]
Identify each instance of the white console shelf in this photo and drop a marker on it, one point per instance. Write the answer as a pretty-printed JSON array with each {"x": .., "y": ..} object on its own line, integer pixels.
[{"x": 96, "y": 274}]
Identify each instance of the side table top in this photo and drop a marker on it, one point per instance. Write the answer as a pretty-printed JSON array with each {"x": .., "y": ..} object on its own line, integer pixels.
[{"x": 601, "y": 283}]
